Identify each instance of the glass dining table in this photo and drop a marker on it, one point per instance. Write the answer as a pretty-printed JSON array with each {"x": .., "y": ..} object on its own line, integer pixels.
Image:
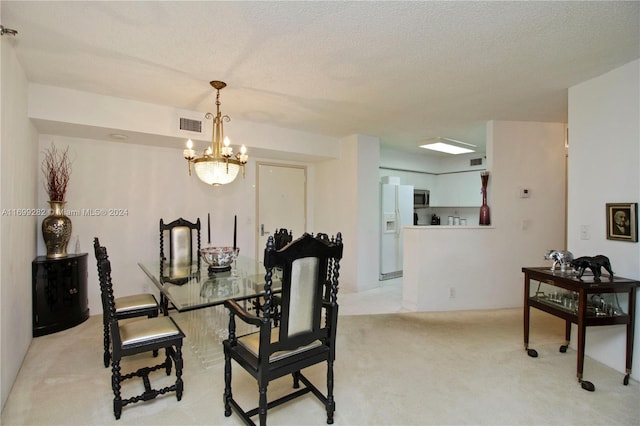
[
  {"x": 198, "y": 288},
  {"x": 198, "y": 297}
]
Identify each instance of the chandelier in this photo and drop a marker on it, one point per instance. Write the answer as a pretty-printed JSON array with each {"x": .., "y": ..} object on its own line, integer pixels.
[{"x": 217, "y": 165}]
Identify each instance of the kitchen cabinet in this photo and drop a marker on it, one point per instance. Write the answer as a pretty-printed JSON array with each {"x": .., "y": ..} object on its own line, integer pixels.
[
  {"x": 461, "y": 189},
  {"x": 60, "y": 299}
]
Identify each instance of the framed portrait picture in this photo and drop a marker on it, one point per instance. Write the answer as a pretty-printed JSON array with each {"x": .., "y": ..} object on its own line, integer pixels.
[{"x": 622, "y": 221}]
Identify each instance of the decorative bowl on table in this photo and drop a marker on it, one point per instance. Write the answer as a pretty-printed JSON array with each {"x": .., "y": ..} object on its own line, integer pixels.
[{"x": 219, "y": 259}]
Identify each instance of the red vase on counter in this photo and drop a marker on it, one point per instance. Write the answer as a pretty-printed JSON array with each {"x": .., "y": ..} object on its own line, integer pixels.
[{"x": 485, "y": 216}]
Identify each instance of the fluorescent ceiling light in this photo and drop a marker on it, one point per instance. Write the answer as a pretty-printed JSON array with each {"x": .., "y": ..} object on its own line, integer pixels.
[{"x": 445, "y": 145}]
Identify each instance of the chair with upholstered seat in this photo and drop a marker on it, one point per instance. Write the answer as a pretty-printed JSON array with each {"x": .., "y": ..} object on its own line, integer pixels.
[
  {"x": 307, "y": 332},
  {"x": 178, "y": 267},
  {"x": 281, "y": 238},
  {"x": 150, "y": 334},
  {"x": 132, "y": 306}
]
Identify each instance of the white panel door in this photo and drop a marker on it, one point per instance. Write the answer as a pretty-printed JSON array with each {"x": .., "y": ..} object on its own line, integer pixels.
[{"x": 281, "y": 202}]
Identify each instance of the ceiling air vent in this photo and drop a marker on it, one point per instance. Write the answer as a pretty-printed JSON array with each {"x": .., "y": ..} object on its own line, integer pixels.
[
  {"x": 190, "y": 125},
  {"x": 475, "y": 162}
]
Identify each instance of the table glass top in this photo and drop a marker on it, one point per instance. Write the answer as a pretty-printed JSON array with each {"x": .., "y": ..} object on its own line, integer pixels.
[{"x": 192, "y": 286}]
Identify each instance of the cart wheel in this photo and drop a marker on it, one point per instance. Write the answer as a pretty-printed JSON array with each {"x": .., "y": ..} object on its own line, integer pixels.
[
  {"x": 588, "y": 386},
  {"x": 532, "y": 353},
  {"x": 563, "y": 348},
  {"x": 626, "y": 380}
]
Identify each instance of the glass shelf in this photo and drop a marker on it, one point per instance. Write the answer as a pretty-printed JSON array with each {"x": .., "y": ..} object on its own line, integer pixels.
[{"x": 598, "y": 305}]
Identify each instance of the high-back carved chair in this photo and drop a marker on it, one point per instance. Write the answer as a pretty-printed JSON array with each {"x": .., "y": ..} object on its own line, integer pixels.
[
  {"x": 281, "y": 238},
  {"x": 136, "y": 337},
  {"x": 307, "y": 332},
  {"x": 132, "y": 306},
  {"x": 181, "y": 252}
]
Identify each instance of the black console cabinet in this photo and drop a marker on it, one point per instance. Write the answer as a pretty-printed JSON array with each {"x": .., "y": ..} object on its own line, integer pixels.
[{"x": 60, "y": 299}]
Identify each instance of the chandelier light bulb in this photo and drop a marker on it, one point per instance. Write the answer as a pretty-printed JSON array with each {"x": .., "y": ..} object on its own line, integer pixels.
[
  {"x": 188, "y": 153},
  {"x": 227, "y": 151}
]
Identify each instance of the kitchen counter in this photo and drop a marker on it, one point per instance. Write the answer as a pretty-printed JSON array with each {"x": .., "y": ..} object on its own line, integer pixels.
[
  {"x": 453, "y": 267},
  {"x": 432, "y": 227}
]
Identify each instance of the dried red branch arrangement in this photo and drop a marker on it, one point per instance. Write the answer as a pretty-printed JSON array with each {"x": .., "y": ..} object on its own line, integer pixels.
[{"x": 56, "y": 169}]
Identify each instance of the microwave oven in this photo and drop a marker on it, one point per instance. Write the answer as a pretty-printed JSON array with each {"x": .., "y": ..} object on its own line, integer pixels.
[{"x": 421, "y": 198}]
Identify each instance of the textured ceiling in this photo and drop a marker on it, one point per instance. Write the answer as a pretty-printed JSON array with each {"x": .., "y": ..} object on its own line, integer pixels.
[{"x": 403, "y": 71}]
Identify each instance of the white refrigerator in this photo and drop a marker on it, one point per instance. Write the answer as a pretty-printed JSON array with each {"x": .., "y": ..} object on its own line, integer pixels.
[{"x": 396, "y": 207}]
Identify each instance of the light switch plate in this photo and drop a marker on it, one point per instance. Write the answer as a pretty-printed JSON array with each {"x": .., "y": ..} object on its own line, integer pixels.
[{"x": 585, "y": 233}]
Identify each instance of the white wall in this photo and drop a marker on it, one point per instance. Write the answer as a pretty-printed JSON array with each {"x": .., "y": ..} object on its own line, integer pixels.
[
  {"x": 145, "y": 183},
  {"x": 18, "y": 171},
  {"x": 457, "y": 163},
  {"x": 528, "y": 155},
  {"x": 393, "y": 159},
  {"x": 347, "y": 201},
  {"x": 368, "y": 196},
  {"x": 604, "y": 153},
  {"x": 484, "y": 265}
]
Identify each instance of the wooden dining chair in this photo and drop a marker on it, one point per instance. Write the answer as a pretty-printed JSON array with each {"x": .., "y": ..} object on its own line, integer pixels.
[
  {"x": 281, "y": 238},
  {"x": 132, "y": 306},
  {"x": 177, "y": 268},
  {"x": 307, "y": 332},
  {"x": 136, "y": 337}
]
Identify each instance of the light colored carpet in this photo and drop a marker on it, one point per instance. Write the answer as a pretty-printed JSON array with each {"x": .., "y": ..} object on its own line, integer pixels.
[{"x": 449, "y": 368}]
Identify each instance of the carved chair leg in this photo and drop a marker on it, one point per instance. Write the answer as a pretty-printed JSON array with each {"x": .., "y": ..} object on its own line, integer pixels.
[
  {"x": 115, "y": 385},
  {"x": 154, "y": 314},
  {"x": 117, "y": 408},
  {"x": 178, "y": 361},
  {"x": 167, "y": 360},
  {"x": 227, "y": 385},
  {"x": 164, "y": 304},
  {"x": 331, "y": 404},
  {"x": 262, "y": 406}
]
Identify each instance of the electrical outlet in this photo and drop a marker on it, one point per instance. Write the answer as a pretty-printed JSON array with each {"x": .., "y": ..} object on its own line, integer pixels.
[{"x": 452, "y": 292}]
